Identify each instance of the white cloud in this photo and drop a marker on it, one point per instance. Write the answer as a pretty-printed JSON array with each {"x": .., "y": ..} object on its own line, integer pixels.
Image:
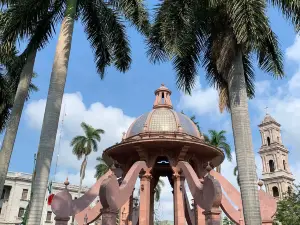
[
  {"x": 112, "y": 120},
  {"x": 293, "y": 52},
  {"x": 284, "y": 105},
  {"x": 202, "y": 101}
]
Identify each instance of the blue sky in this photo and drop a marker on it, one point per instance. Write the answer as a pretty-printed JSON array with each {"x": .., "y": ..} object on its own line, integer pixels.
[{"x": 113, "y": 103}]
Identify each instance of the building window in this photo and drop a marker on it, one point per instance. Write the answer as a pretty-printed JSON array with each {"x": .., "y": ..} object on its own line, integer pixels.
[
  {"x": 269, "y": 141},
  {"x": 21, "y": 212},
  {"x": 283, "y": 162},
  {"x": 290, "y": 190},
  {"x": 49, "y": 215},
  {"x": 0, "y": 210},
  {"x": 272, "y": 166},
  {"x": 3, "y": 193},
  {"x": 275, "y": 192},
  {"x": 24, "y": 194}
]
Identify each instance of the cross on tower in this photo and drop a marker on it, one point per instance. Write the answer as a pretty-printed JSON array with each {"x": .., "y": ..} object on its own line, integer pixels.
[{"x": 266, "y": 108}]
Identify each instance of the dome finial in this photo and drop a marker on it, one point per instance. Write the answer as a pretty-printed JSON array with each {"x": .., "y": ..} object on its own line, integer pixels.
[{"x": 162, "y": 98}]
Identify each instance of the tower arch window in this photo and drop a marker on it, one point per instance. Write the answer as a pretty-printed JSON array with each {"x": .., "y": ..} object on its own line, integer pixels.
[
  {"x": 290, "y": 190},
  {"x": 284, "y": 166},
  {"x": 268, "y": 141},
  {"x": 272, "y": 166},
  {"x": 275, "y": 191}
]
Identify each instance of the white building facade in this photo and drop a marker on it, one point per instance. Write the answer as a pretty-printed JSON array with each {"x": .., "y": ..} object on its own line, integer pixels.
[{"x": 16, "y": 195}]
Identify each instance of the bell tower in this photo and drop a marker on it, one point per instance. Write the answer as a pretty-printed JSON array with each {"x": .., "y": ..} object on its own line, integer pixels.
[{"x": 276, "y": 173}]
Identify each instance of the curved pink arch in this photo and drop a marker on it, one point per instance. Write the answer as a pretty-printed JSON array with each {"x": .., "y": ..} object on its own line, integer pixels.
[
  {"x": 80, "y": 204},
  {"x": 114, "y": 196},
  {"x": 268, "y": 204},
  {"x": 207, "y": 194},
  {"x": 230, "y": 190}
]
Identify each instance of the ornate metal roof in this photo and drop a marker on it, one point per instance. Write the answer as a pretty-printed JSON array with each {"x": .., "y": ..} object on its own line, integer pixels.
[{"x": 163, "y": 118}]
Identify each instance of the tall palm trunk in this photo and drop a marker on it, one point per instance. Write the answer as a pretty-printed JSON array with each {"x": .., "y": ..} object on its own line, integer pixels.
[
  {"x": 82, "y": 174},
  {"x": 52, "y": 112},
  {"x": 243, "y": 141},
  {"x": 15, "y": 117}
]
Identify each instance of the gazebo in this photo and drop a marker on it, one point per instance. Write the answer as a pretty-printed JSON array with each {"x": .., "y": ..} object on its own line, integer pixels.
[{"x": 159, "y": 143}]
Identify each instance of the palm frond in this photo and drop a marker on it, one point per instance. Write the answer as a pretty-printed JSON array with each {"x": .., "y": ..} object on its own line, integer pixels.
[
  {"x": 290, "y": 9},
  {"x": 135, "y": 12},
  {"x": 247, "y": 18},
  {"x": 107, "y": 36},
  {"x": 20, "y": 18},
  {"x": 270, "y": 58},
  {"x": 101, "y": 168},
  {"x": 45, "y": 28}
]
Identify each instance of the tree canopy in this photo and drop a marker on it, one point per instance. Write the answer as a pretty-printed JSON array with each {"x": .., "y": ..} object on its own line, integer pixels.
[{"x": 288, "y": 209}]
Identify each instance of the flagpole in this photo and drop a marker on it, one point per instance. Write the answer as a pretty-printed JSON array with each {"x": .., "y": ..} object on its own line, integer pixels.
[{"x": 59, "y": 140}]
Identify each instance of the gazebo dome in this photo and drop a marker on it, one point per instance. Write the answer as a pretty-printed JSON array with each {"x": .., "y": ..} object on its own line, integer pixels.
[{"x": 163, "y": 118}]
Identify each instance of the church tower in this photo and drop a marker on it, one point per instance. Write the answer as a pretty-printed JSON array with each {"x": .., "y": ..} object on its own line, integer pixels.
[{"x": 276, "y": 174}]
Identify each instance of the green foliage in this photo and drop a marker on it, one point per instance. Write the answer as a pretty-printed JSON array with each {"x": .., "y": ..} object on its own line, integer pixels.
[
  {"x": 10, "y": 70},
  {"x": 288, "y": 209},
  {"x": 226, "y": 221},
  {"x": 235, "y": 173},
  {"x": 35, "y": 21},
  {"x": 83, "y": 145},
  {"x": 25, "y": 217},
  {"x": 158, "y": 189},
  {"x": 209, "y": 33},
  {"x": 101, "y": 168},
  {"x": 218, "y": 139}
]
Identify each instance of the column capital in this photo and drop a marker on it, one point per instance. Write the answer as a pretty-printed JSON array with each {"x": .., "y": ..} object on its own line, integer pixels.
[
  {"x": 176, "y": 176},
  {"x": 213, "y": 211},
  {"x": 109, "y": 211},
  {"x": 61, "y": 218},
  {"x": 146, "y": 176}
]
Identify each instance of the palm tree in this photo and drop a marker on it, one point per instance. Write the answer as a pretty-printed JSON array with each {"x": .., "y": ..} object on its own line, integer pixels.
[
  {"x": 101, "y": 168},
  {"x": 193, "y": 118},
  {"x": 83, "y": 145},
  {"x": 235, "y": 173},
  {"x": 11, "y": 80},
  {"x": 106, "y": 34},
  {"x": 158, "y": 189},
  {"x": 222, "y": 36},
  {"x": 13, "y": 29},
  {"x": 218, "y": 139}
]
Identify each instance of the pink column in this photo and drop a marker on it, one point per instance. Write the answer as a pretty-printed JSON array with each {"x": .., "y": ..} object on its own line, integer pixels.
[
  {"x": 213, "y": 217},
  {"x": 61, "y": 221},
  {"x": 145, "y": 199},
  {"x": 179, "y": 216},
  {"x": 124, "y": 213},
  {"x": 199, "y": 217},
  {"x": 109, "y": 217}
]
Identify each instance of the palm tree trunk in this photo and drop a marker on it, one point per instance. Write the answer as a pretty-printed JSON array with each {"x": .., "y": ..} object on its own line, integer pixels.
[
  {"x": 243, "y": 141},
  {"x": 82, "y": 174},
  {"x": 15, "y": 117},
  {"x": 52, "y": 113}
]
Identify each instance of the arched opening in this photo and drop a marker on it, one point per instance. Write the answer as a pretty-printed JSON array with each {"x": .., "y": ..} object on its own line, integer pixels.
[
  {"x": 268, "y": 141},
  {"x": 283, "y": 162},
  {"x": 275, "y": 192},
  {"x": 290, "y": 190},
  {"x": 272, "y": 166}
]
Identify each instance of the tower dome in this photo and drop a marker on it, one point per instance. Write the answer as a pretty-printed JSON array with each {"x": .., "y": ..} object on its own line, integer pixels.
[{"x": 163, "y": 118}]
